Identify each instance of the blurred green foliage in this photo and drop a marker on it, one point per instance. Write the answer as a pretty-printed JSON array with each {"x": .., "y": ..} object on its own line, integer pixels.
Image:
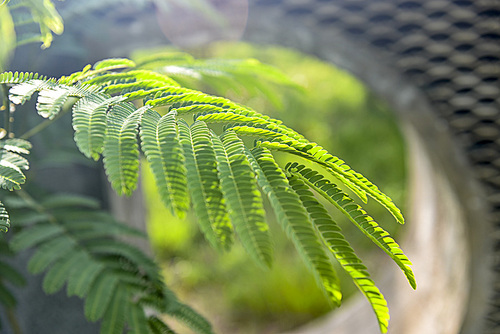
[{"x": 335, "y": 110}]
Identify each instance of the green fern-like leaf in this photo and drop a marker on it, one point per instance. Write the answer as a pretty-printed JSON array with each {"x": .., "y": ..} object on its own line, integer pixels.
[
  {"x": 28, "y": 84},
  {"x": 98, "y": 69},
  {"x": 128, "y": 252},
  {"x": 191, "y": 318},
  {"x": 121, "y": 151},
  {"x": 62, "y": 200},
  {"x": 29, "y": 218},
  {"x": 356, "y": 215},
  {"x": 130, "y": 81},
  {"x": 11, "y": 170},
  {"x": 15, "y": 145},
  {"x": 279, "y": 137},
  {"x": 35, "y": 235},
  {"x": 168, "y": 96},
  {"x": 137, "y": 319},
  {"x": 243, "y": 199},
  {"x": 7, "y": 298},
  {"x": 98, "y": 225},
  {"x": 294, "y": 219},
  {"x": 12, "y": 166},
  {"x": 219, "y": 74},
  {"x": 343, "y": 252},
  {"x": 114, "y": 318},
  {"x": 204, "y": 184},
  {"x": 284, "y": 139},
  {"x": 109, "y": 229},
  {"x": 77, "y": 245},
  {"x": 113, "y": 64},
  {"x": 99, "y": 295},
  {"x": 58, "y": 274},
  {"x": 225, "y": 116},
  {"x": 11, "y": 275},
  {"x": 49, "y": 252},
  {"x": 75, "y": 77},
  {"x": 52, "y": 95},
  {"x": 19, "y": 77},
  {"x": 158, "y": 327},
  {"x": 4, "y": 219},
  {"x": 220, "y": 174},
  {"x": 160, "y": 143},
  {"x": 82, "y": 276},
  {"x": 180, "y": 97},
  {"x": 46, "y": 17},
  {"x": 89, "y": 123},
  {"x": 52, "y": 99},
  {"x": 26, "y": 21},
  {"x": 338, "y": 168}
]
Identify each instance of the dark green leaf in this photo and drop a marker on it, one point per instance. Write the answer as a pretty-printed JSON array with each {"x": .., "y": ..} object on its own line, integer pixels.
[
  {"x": 83, "y": 277},
  {"x": 113, "y": 247},
  {"x": 191, "y": 318},
  {"x": 7, "y": 299},
  {"x": 60, "y": 272},
  {"x": 32, "y": 236},
  {"x": 136, "y": 319},
  {"x": 49, "y": 252},
  {"x": 11, "y": 275},
  {"x": 113, "y": 321},
  {"x": 99, "y": 295},
  {"x": 70, "y": 200},
  {"x": 158, "y": 327}
]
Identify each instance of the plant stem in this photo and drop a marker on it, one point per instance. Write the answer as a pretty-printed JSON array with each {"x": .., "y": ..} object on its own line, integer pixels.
[
  {"x": 6, "y": 109},
  {"x": 34, "y": 204},
  {"x": 43, "y": 125},
  {"x": 14, "y": 323},
  {"x": 30, "y": 200}
]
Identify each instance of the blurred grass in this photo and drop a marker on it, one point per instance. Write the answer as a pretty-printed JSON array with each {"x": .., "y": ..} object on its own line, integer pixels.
[{"x": 334, "y": 110}]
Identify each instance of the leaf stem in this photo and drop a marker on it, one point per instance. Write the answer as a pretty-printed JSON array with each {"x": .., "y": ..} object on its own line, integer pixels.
[
  {"x": 30, "y": 200},
  {"x": 14, "y": 323},
  {"x": 33, "y": 131},
  {"x": 6, "y": 109}
]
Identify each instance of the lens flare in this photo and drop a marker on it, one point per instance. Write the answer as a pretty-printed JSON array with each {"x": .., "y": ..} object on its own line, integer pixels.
[{"x": 195, "y": 23}]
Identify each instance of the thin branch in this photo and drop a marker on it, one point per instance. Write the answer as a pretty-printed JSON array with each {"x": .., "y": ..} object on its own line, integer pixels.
[
  {"x": 14, "y": 323},
  {"x": 43, "y": 125},
  {"x": 32, "y": 202},
  {"x": 6, "y": 109}
]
